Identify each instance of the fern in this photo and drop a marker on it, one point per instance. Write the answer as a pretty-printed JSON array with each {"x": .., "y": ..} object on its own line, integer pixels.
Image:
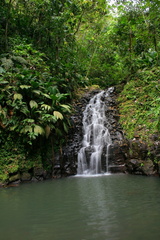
[
  {"x": 2, "y": 70},
  {"x": 20, "y": 60},
  {"x": 7, "y": 63}
]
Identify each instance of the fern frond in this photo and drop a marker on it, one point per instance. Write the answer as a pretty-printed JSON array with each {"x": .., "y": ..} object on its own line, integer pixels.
[
  {"x": 7, "y": 63},
  {"x": 20, "y": 60}
]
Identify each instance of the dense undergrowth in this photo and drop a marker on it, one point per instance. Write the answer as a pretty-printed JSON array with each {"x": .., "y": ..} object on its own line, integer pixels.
[
  {"x": 140, "y": 105},
  {"x": 32, "y": 109}
]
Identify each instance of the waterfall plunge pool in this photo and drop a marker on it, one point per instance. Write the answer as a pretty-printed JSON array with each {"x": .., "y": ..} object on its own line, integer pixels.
[{"x": 113, "y": 207}]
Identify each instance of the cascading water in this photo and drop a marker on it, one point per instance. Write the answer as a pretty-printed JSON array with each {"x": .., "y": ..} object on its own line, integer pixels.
[{"x": 96, "y": 138}]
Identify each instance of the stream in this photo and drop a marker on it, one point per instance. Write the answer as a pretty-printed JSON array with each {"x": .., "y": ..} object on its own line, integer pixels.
[{"x": 111, "y": 207}]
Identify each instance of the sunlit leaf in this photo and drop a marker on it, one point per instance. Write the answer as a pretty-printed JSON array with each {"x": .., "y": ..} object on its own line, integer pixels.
[
  {"x": 17, "y": 96},
  {"x": 26, "y": 129},
  {"x": 37, "y": 92},
  {"x": 25, "y": 86},
  {"x": 67, "y": 107},
  {"x": 39, "y": 130},
  {"x": 3, "y": 82},
  {"x": 58, "y": 115},
  {"x": 46, "y": 95},
  {"x": 46, "y": 107},
  {"x": 33, "y": 104}
]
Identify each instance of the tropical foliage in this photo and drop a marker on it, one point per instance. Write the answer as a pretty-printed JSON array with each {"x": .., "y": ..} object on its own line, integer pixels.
[
  {"x": 49, "y": 49},
  {"x": 140, "y": 105}
]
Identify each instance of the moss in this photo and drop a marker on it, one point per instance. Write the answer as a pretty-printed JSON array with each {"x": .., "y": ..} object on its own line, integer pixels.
[
  {"x": 81, "y": 91},
  {"x": 140, "y": 105},
  {"x": 16, "y": 158}
]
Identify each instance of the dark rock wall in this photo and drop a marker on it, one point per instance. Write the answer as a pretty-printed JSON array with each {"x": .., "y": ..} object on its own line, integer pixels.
[
  {"x": 117, "y": 156},
  {"x": 74, "y": 138},
  {"x": 125, "y": 156}
]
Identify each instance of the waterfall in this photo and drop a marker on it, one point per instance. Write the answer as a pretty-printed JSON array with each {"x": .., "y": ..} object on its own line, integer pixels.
[{"x": 96, "y": 137}]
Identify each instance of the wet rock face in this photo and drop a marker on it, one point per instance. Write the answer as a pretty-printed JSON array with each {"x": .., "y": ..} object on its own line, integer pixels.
[
  {"x": 117, "y": 155},
  {"x": 125, "y": 156},
  {"x": 74, "y": 139},
  {"x": 141, "y": 159}
]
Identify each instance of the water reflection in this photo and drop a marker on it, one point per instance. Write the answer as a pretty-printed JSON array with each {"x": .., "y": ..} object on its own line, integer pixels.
[
  {"x": 97, "y": 203},
  {"x": 114, "y": 207},
  {"x": 118, "y": 207}
]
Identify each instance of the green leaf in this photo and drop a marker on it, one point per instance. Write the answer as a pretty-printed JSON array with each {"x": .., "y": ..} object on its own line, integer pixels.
[
  {"x": 37, "y": 92},
  {"x": 58, "y": 115},
  {"x": 26, "y": 129},
  {"x": 39, "y": 130},
  {"x": 13, "y": 128},
  {"x": 4, "y": 82},
  {"x": 17, "y": 96},
  {"x": 58, "y": 132},
  {"x": 25, "y": 110},
  {"x": 46, "y": 95},
  {"x": 33, "y": 104},
  {"x": 67, "y": 107},
  {"x": 2, "y": 70},
  {"x": 25, "y": 86},
  {"x": 65, "y": 127},
  {"x": 28, "y": 120}
]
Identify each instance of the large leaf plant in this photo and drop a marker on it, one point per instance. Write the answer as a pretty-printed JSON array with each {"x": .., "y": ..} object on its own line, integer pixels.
[{"x": 30, "y": 102}]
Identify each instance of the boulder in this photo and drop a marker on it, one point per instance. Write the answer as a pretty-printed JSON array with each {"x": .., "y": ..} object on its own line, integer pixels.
[
  {"x": 25, "y": 176},
  {"x": 148, "y": 168},
  {"x": 14, "y": 177}
]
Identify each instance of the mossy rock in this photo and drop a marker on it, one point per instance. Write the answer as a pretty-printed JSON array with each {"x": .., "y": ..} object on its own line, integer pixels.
[
  {"x": 14, "y": 178},
  {"x": 26, "y": 176},
  {"x": 148, "y": 168}
]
